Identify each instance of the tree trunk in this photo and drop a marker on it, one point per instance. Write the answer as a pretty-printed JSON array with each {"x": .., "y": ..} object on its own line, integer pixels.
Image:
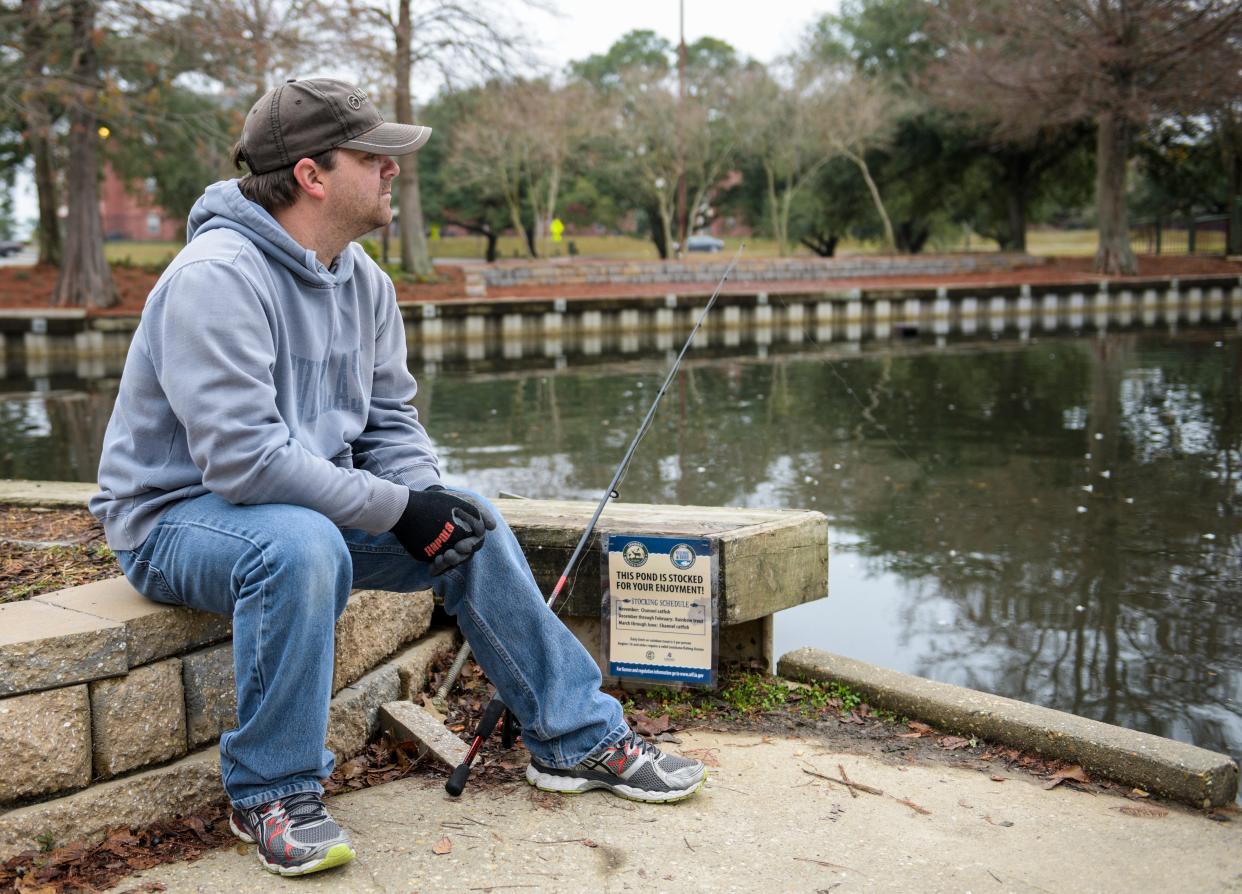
[
  {"x": 657, "y": 232},
  {"x": 774, "y": 211},
  {"x": 38, "y": 129},
  {"x": 492, "y": 238},
  {"x": 50, "y": 248},
  {"x": 1229, "y": 127},
  {"x": 530, "y": 240},
  {"x": 822, "y": 244},
  {"x": 1112, "y": 152},
  {"x": 912, "y": 235},
  {"x": 890, "y": 240},
  {"x": 415, "y": 258},
  {"x": 84, "y": 275},
  {"x": 1016, "y": 201}
]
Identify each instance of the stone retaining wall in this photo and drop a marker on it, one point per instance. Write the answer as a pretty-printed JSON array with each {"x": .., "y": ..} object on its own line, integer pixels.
[
  {"x": 97, "y": 682},
  {"x": 747, "y": 270}
]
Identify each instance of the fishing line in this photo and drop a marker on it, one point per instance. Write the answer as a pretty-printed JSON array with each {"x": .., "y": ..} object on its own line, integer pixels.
[
  {"x": 496, "y": 712},
  {"x": 610, "y": 493}
]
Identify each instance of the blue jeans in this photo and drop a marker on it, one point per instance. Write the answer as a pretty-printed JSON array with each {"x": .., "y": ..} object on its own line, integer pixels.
[{"x": 284, "y": 574}]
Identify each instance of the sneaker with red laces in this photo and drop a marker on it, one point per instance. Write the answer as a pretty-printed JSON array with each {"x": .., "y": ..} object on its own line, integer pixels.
[
  {"x": 294, "y": 835},
  {"x": 633, "y": 768}
]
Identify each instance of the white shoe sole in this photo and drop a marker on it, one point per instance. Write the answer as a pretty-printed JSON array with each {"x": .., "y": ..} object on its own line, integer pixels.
[{"x": 565, "y": 785}]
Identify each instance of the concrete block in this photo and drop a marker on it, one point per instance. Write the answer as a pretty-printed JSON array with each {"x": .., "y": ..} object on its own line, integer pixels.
[
  {"x": 407, "y": 722},
  {"x": 373, "y": 626},
  {"x": 1162, "y": 766},
  {"x": 185, "y": 787},
  {"x": 139, "y": 719},
  {"x": 210, "y": 694},
  {"x": 152, "y": 630},
  {"x": 353, "y": 716},
  {"x": 44, "y": 646},
  {"x": 45, "y": 742},
  {"x": 413, "y": 663}
]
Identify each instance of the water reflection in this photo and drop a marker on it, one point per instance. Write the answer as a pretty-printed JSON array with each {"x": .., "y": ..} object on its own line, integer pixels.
[{"x": 1052, "y": 519}]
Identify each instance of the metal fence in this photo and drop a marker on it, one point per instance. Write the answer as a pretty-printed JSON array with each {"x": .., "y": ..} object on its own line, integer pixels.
[{"x": 1204, "y": 235}]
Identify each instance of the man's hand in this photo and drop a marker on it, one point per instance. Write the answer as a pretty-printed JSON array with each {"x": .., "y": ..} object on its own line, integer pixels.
[{"x": 441, "y": 528}]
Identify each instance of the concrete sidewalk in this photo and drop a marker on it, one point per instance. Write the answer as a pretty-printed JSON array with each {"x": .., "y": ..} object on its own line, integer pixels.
[{"x": 760, "y": 824}]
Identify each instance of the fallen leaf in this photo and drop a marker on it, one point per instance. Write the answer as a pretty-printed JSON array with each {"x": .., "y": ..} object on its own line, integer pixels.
[
  {"x": 1147, "y": 811},
  {"x": 920, "y": 728},
  {"x": 1005, "y": 823},
  {"x": 952, "y": 743},
  {"x": 1138, "y": 793},
  {"x": 651, "y": 726},
  {"x": 909, "y": 735},
  {"x": 997, "y": 778},
  {"x": 1071, "y": 774},
  {"x": 443, "y": 846},
  {"x": 961, "y": 802},
  {"x": 587, "y": 842}
]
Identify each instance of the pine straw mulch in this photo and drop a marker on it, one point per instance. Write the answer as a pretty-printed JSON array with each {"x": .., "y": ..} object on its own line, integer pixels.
[
  {"x": 42, "y": 550},
  {"x": 32, "y": 287}
]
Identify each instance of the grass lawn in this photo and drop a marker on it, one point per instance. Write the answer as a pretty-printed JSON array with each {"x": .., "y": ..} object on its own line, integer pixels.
[
  {"x": 1039, "y": 242},
  {"x": 140, "y": 254}
]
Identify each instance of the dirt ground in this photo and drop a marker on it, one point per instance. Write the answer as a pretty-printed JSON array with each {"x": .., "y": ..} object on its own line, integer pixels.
[{"x": 31, "y": 287}]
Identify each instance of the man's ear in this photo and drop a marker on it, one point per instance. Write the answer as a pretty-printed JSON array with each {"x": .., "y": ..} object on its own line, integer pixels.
[{"x": 310, "y": 178}]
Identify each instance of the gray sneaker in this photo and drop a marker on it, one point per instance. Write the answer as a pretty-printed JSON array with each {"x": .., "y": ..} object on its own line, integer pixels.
[
  {"x": 633, "y": 768},
  {"x": 294, "y": 835}
]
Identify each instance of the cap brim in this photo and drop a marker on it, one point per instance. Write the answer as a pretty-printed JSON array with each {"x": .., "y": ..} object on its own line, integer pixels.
[{"x": 391, "y": 139}]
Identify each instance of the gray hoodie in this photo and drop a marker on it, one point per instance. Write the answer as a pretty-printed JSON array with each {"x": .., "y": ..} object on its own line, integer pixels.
[{"x": 261, "y": 375}]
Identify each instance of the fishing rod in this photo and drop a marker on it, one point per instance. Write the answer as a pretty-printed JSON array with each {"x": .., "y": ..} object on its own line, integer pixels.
[{"x": 495, "y": 708}]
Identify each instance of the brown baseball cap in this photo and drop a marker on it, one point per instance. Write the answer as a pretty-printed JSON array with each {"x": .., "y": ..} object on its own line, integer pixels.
[{"x": 301, "y": 118}]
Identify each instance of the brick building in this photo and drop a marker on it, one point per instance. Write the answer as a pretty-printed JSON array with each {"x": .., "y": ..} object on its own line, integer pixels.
[{"x": 129, "y": 211}]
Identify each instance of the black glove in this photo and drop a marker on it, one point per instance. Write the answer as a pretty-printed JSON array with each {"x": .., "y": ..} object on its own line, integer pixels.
[{"x": 442, "y": 529}]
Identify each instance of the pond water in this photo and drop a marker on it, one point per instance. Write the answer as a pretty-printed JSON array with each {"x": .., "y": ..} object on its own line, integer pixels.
[{"x": 1055, "y": 519}]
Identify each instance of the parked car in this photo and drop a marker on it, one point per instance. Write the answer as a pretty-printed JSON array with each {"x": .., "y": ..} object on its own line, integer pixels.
[
  {"x": 9, "y": 247},
  {"x": 703, "y": 242}
]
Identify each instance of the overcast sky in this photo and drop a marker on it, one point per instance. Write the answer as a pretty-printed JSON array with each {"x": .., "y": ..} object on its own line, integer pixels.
[{"x": 761, "y": 31}]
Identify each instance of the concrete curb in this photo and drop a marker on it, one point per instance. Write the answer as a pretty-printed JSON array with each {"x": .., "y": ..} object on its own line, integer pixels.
[{"x": 1172, "y": 769}]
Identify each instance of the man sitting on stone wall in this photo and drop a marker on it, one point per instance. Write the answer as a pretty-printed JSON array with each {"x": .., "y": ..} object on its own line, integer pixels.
[{"x": 263, "y": 459}]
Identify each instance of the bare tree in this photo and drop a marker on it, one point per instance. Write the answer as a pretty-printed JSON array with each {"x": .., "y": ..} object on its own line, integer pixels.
[
  {"x": 785, "y": 129},
  {"x": 455, "y": 40},
  {"x": 860, "y": 114},
  {"x": 84, "y": 275},
  {"x": 557, "y": 119},
  {"x": 247, "y": 46},
  {"x": 492, "y": 148},
  {"x": 1116, "y": 63}
]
